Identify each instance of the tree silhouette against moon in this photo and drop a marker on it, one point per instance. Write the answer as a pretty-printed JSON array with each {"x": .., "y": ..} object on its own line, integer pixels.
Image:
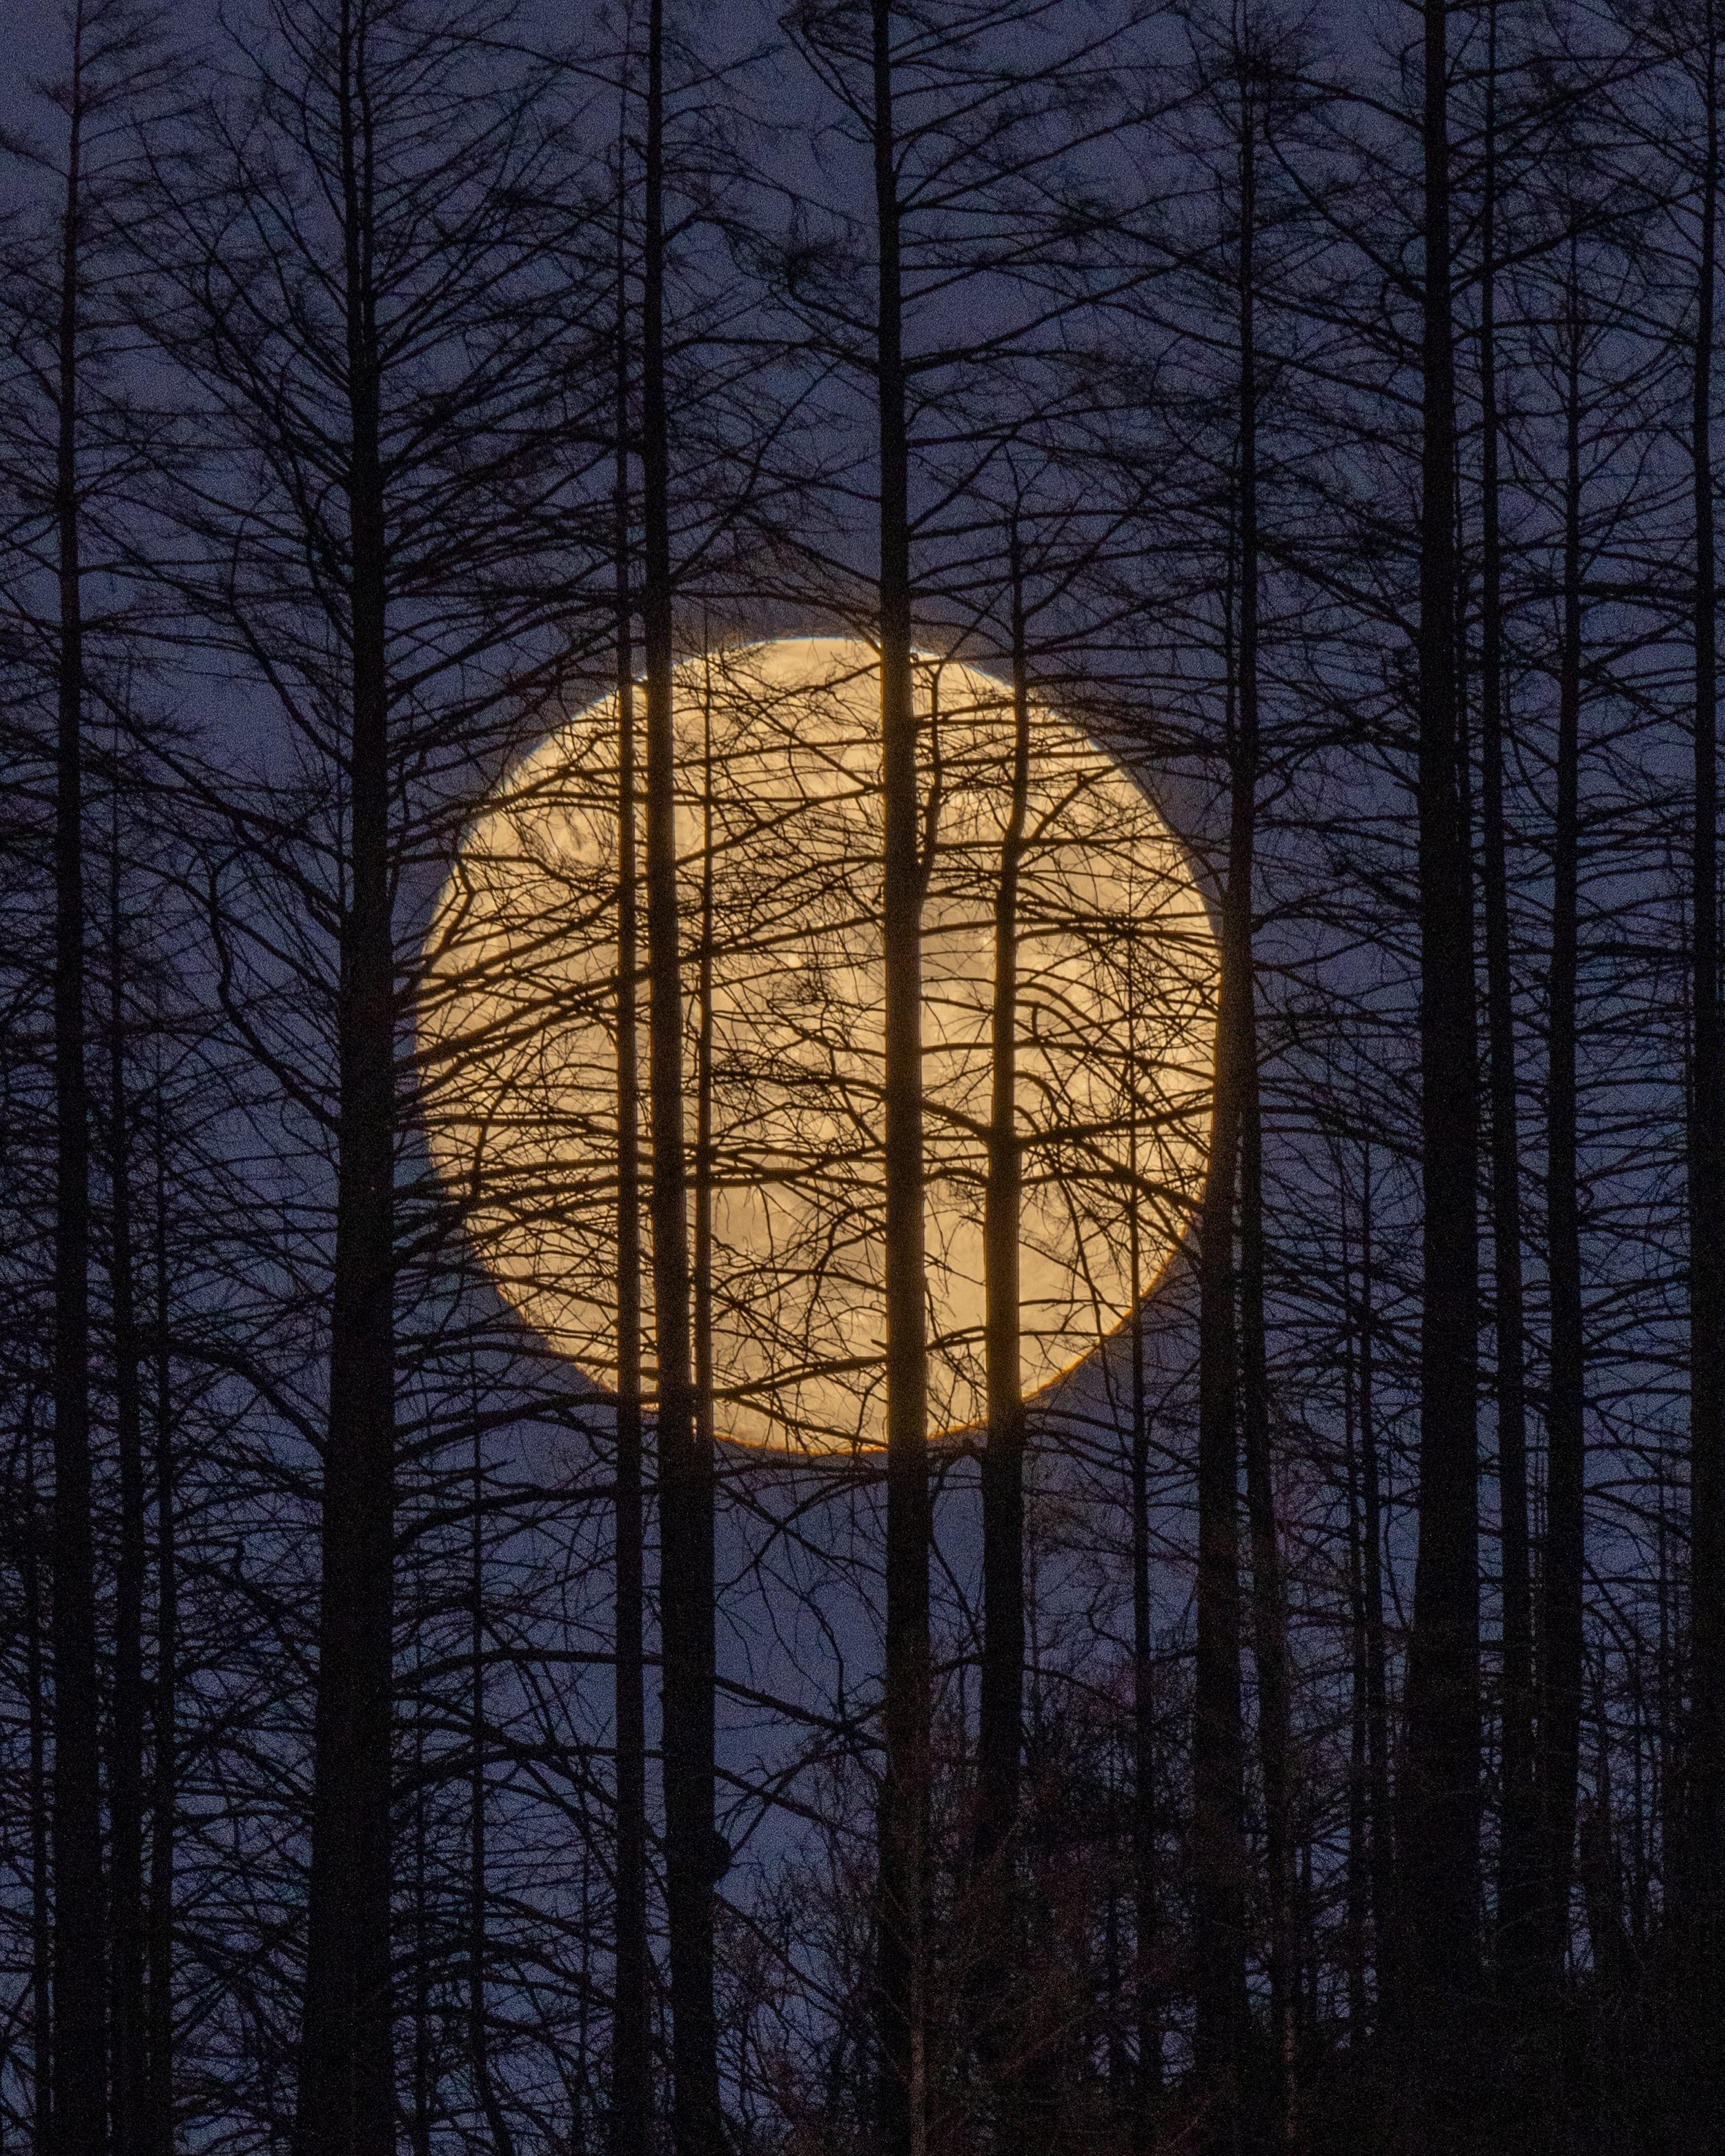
[{"x": 778, "y": 788}]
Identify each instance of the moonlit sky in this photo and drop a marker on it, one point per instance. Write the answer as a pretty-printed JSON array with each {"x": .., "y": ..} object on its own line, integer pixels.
[{"x": 779, "y": 748}]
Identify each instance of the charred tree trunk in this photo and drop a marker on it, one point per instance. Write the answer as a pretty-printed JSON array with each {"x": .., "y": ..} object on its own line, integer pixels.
[
  {"x": 478, "y": 2036},
  {"x": 1560, "y": 1661},
  {"x": 1518, "y": 1851},
  {"x": 1438, "y": 1845},
  {"x": 1147, "y": 2000},
  {"x": 125, "y": 1778},
  {"x": 41, "y": 1876},
  {"x": 79, "y": 2121},
  {"x": 1003, "y": 1473},
  {"x": 631, "y": 2092},
  {"x": 346, "y": 2067},
  {"x": 164, "y": 1764},
  {"x": 1381, "y": 1809},
  {"x": 704, "y": 1154},
  {"x": 1270, "y": 1614},
  {"x": 686, "y": 1465},
  {"x": 1269, "y": 1641},
  {"x": 903, "y": 1818},
  {"x": 1705, "y": 1824},
  {"x": 1359, "y": 1873},
  {"x": 1219, "y": 1850}
]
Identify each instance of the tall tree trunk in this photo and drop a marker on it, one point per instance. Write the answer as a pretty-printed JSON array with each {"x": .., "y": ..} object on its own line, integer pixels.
[
  {"x": 41, "y": 1874},
  {"x": 1560, "y": 1663},
  {"x": 1358, "y": 1874},
  {"x": 1597, "y": 1863},
  {"x": 1270, "y": 1610},
  {"x": 1385, "y": 1928},
  {"x": 903, "y": 1820},
  {"x": 164, "y": 1763},
  {"x": 1218, "y": 1838},
  {"x": 1518, "y": 1849},
  {"x": 631, "y": 2091},
  {"x": 1270, "y": 1642},
  {"x": 424, "y": 2080},
  {"x": 346, "y": 2067},
  {"x": 685, "y": 1467},
  {"x": 1147, "y": 1998},
  {"x": 126, "y": 1779},
  {"x": 1705, "y": 1824},
  {"x": 1439, "y": 1844},
  {"x": 1000, "y": 1731},
  {"x": 79, "y": 2025},
  {"x": 704, "y": 1156},
  {"x": 479, "y": 2035}
]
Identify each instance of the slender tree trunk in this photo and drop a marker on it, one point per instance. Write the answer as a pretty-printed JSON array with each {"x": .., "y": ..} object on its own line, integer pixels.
[
  {"x": 1218, "y": 1854},
  {"x": 631, "y": 2035},
  {"x": 1705, "y": 1824},
  {"x": 1146, "y": 1985},
  {"x": 424, "y": 2079},
  {"x": 703, "y": 1271},
  {"x": 478, "y": 2037},
  {"x": 1003, "y": 1473},
  {"x": 1560, "y": 1662},
  {"x": 1385, "y": 1929},
  {"x": 903, "y": 1820},
  {"x": 346, "y": 2064},
  {"x": 1518, "y": 1857},
  {"x": 685, "y": 1466},
  {"x": 1269, "y": 1612},
  {"x": 41, "y": 1875},
  {"x": 80, "y": 2023},
  {"x": 126, "y": 1780},
  {"x": 1598, "y": 1866},
  {"x": 164, "y": 1766},
  {"x": 1270, "y": 1643},
  {"x": 1358, "y": 1889},
  {"x": 1440, "y": 1793}
]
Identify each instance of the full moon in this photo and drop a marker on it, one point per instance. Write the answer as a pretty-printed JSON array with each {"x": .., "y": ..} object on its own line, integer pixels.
[{"x": 779, "y": 867}]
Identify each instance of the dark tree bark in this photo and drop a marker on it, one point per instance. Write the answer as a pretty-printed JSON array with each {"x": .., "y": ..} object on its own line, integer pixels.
[
  {"x": 1385, "y": 1929},
  {"x": 158, "y": 2138},
  {"x": 686, "y": 1463},
  {"x": 1003, "y": 1474},
  {"x": 1437, "y": 1843},
  {"x": 1518, "y": 1851},
  {"x": 346, "y": 2074},
  {"x": 704, "y": 1142},
  {"x": 1001, "y": 1720},
  {"x": 80, "y": 2118},
  {"x": 903, "y": 1820},
  {"x": 1218, "y": 1852},
  {"x": 1359, "y": 1867},
  {"x": 1270, "y": 1642},
  {"x": 478, "y": 2036},
  {"x": 425, "y": 2077},
  {"x": 1704, "y": 1827},
  {"x": 126, "y": 1777},
  {"x": 41, "y": 1877},
  {"x": 1146, "y": 2001},
  {"x": 1560, "y": 1665},
  {"x": 1270, "y": 1610},
  {"x": 631, "y": 2056},
  {"x": 1598, "y": 1866}
]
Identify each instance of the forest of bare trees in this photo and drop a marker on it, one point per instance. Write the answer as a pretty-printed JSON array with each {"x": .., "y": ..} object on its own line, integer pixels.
[{"x": 862, "y": 1104}]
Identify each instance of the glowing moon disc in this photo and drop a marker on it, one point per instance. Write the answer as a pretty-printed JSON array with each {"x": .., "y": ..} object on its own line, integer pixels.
[{"x": 780, "y": 754}]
